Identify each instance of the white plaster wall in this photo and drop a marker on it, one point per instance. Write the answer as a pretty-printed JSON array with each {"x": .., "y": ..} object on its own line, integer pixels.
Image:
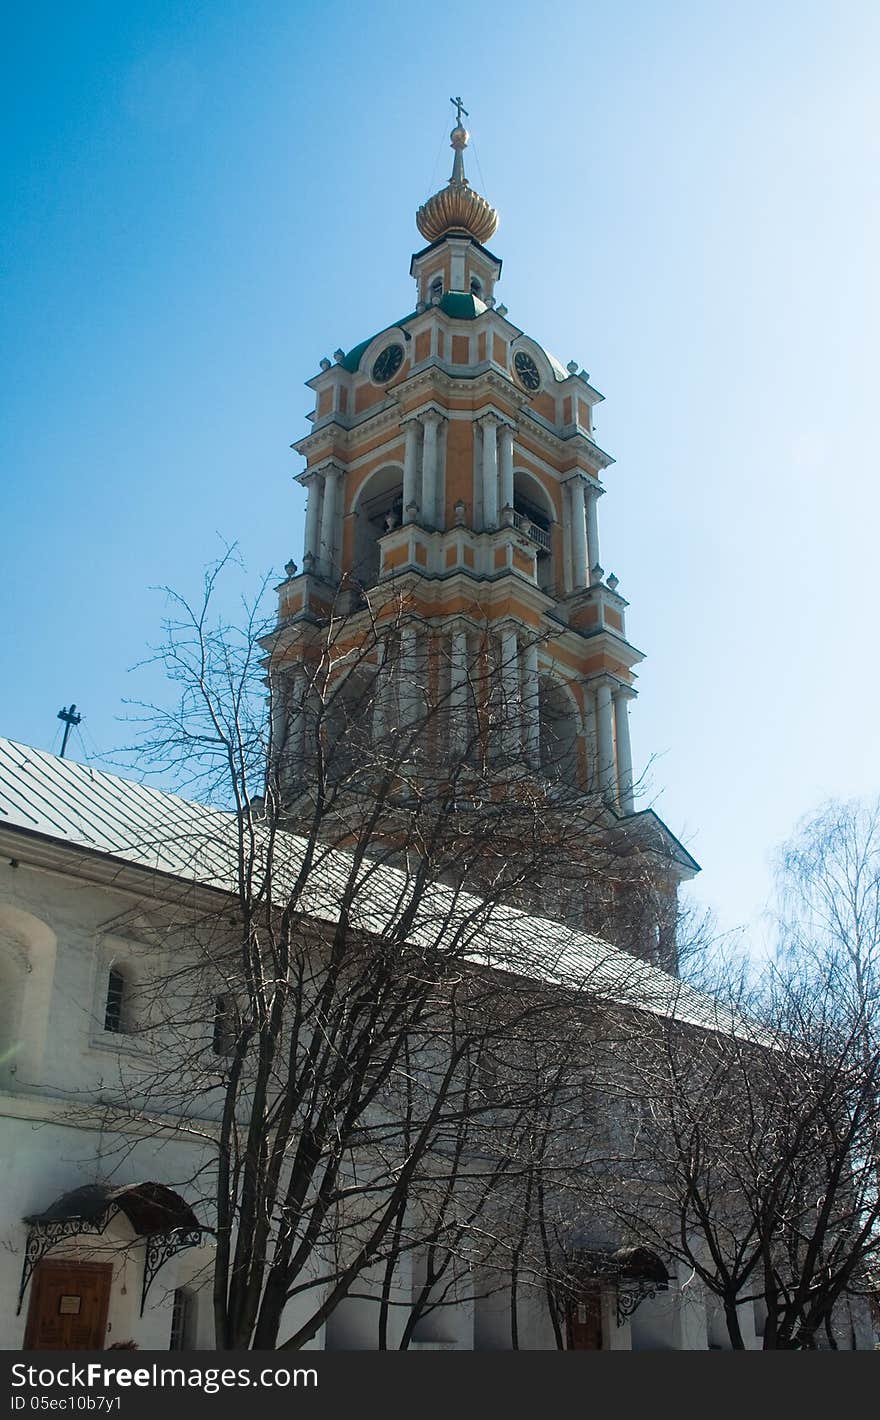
[
  {"x": 852, "y": 1326},
  {"x": 535, "y": 1326},
  {"x": 674, "y": 1320},
  {"x": 492, "y": 1315},
  {"x": 68, "y": 1058},
  {"x": 451, "y": 1324},
  {"x": 353, "y": 1325},
  {"x": 616, "y": 1336},
  {"x": 296, "y": 1313},
  {"x": 718, "y": 1335},
  {"x": 38, "y": 1162},
  {"x": 93, "y": 926},
  {"x": 491, "y": 1312}
]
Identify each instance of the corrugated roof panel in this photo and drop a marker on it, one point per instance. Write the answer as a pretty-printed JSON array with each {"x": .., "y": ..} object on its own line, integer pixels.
[{"x": 146, "y": 827}]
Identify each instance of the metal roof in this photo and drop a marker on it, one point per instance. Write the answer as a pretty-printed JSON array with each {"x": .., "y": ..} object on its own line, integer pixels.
[{"x": 148, "y": 828}]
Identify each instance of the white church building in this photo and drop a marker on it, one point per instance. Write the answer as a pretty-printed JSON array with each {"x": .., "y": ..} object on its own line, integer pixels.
[
  {"x": 449, "y": 454},
  {"x": 99, "y": 1240}
]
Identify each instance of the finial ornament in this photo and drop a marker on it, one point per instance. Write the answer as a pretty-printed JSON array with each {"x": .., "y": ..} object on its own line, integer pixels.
[{"x": 456, "y": 210}]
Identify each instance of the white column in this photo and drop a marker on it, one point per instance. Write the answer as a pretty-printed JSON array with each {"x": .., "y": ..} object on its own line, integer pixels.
[
  {"x": 506, "y": 466},
  {"x": 458, "y": 690},
  {"x": 430, "y": 420},
  {"x": 592, "y": 501},
  {"x": 310, "y": 541},
  {"x": 531, "y": 707},
  {"x": 440, "y": 495},
  {"x": 328, "y": 520},
  {"x": 624, "y": 751},
  {"x": 380, "y": 696},
  {"x": 278, "y": 717},
  {"x": 605, "y": 735},
  {"x": 410, "y": 471},
  {"x": 407, "y": 688},
  {"x": 510, "y": 698},
  {"x": 590, "y": 738},
  {"x": 297, "y": 716},
  {"x": 490, "y": 473},
  {"x": 579, "y": 574}
]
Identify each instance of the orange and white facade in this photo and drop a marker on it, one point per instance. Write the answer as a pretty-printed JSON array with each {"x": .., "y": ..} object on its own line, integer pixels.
[
  {"x": 452, "y": 465},
  {"x": 453, "y": 454}
]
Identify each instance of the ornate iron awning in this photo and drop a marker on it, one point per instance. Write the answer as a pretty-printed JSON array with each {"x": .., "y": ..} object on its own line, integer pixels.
[
  {"x": 155, "y": 1212},
  {"x": 638, "y": 1273},
  {"x": 640, "y": 1276}
]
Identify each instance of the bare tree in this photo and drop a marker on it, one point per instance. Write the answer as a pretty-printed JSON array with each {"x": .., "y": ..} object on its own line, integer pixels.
[
  {"x": 756, "y": 1161},
  {"x": 828, "y": 907},
  {"x": 327, "y": 1032}
]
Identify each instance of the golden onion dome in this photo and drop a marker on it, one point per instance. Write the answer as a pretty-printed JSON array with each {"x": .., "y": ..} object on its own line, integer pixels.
[{"x": 456, "y": 210}]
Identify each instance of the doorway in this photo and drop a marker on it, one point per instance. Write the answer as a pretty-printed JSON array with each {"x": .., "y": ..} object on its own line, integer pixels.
[
  {"x": 585, "y": 1323},
  {"x": 68, "y": 1309}
]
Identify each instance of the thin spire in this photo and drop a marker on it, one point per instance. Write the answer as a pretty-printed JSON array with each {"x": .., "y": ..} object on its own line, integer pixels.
[
  {"x": 459, "y": 139},
  {"x": 456, "y": 208}
]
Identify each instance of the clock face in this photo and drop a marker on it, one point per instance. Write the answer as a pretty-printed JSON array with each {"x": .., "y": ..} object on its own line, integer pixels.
[
  {"x": 387, "y": 364},
  {"x": 526, "y": 370}
]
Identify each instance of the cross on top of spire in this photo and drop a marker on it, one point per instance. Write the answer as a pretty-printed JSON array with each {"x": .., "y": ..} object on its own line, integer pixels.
[{"x": 456, "y": 208}]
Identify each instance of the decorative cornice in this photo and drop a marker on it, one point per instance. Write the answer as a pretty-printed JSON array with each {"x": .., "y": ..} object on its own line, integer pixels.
[
  {"x": 491, "y": 413},
  {"x": 338, "y": 431},
  {"x": 613, "y": 683},
  {"x": 581, "y": 475},
  {"x": 552, "y": 439},
  {"x": 437, "y": 376},
  {"x": 598, "y": 635},
  {"x": 329, "y": 465}
]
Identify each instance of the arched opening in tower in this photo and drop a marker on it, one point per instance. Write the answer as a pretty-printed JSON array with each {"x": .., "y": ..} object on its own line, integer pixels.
[
  {"x": 348, "y": 723},
  {"x": 533, "y": 514},
  {"x": 558, "y": 730},
  {"x": 379, "y": 509}
]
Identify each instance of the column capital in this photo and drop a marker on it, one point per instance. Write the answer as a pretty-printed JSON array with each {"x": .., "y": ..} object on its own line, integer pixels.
[
  {"x": 508, "y": 626},
  {"x": 620, "y": 691},
  {"x": 432, "y": 414},
  {"x": 490, "y": 415},
  {"x": 607, "y": 681},
  {"x": 603, "y": 681},
  {"x": 327, "y": 466},
  {"x": 580, "y": 475},
  {"x": 460, "y": 626}
]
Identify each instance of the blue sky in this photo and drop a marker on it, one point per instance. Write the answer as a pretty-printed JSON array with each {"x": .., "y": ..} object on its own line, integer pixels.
[{"x": 198, "y": 201}]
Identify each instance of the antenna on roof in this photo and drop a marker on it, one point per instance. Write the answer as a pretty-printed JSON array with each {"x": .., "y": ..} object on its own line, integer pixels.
[{"x": 70, "y": 719}]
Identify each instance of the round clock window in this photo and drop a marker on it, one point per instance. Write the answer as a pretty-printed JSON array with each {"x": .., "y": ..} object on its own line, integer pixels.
[
  {"x": 387, "y": 364},
  {"x": 526, "y": 370}
]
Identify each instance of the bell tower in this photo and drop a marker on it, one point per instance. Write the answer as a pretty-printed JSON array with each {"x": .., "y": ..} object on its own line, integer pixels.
[{"x": 451, "y": 456}]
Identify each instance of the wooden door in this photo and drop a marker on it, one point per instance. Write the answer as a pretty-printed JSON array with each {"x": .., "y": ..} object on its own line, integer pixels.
[
  {"x": 585, "y": 1323},
  {"x": 68, "y": 1310}
]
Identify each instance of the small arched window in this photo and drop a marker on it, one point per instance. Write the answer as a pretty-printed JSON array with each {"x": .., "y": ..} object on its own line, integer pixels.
[
  {"x": 224, "y": 1034},
  {"x": 115, "y": 1003},
  {"x": 476, "y": 287},
  {"x": 435, "y": 290},
  {"x": 182, "y": 1320}
]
